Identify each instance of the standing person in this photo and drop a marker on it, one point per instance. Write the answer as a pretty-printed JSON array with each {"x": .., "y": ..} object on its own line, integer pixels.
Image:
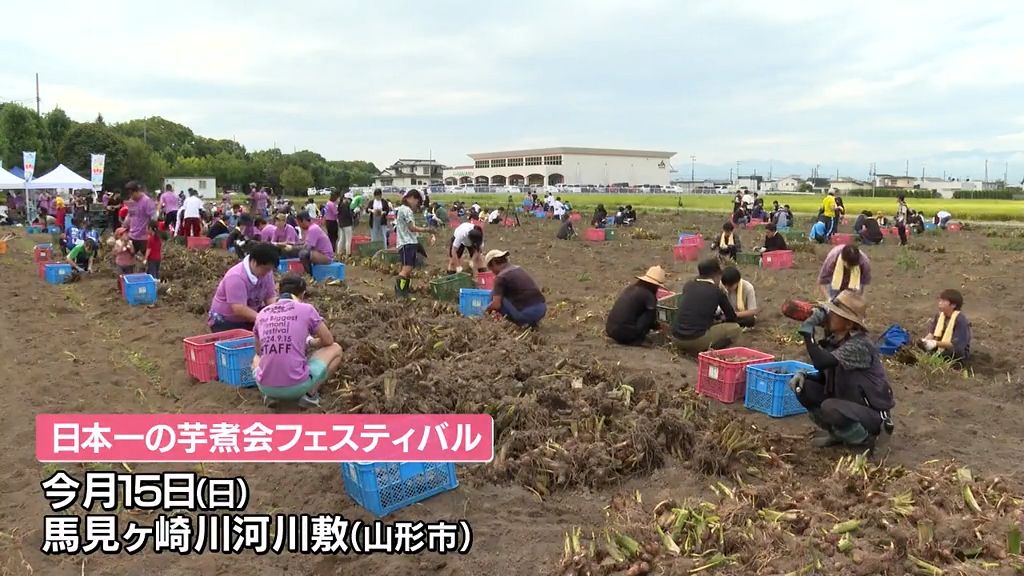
[
  {"x": 849, "y": 397},
  {"x": 742, "y": 297},
  {"x": 695, "y": 329},
  {"x": 191, "y": 215},
  {"x": 845, "y": 268},
  {"x": 244, "y": 290},
  {"x": 346, "y": 221},
  {"x": 950, "y": 334},
  {"x": 154, "y": 247},
  {"x": 141, "y": 210},
  {"x": 261, "y": 202},
  {"x": 59, "y": 212},
  {"x": 516, "y": 295},
  {"x": 557, "y": 208},
  {"x": 318, "y": 248},
  {"x": 728, "y": 244},
  {"x": 169, "y": 205},
  {"x": 357, "y": 205},
  {"x": 466, "y": 236},
  {"x": 828, "y": 213},
  {"x": 283, "y": 331},
  {"x": 312, "y": 209},
  {"x": 112, "y": 207},
  {"x": 377, "y": 211},
  {"x": 635, "y": 312},
  {"x": 331, "y": 218},
  {"x": 782, "y": 217},
  {"x": 902, "y": 215},
  {"x": 408, "y": 244},
  {"x": 124, "y": 256}
]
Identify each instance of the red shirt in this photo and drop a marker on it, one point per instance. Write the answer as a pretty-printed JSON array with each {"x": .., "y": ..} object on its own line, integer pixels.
[
  {"x": 153, "y": 245},
  {"x": 122, "y": 213}
]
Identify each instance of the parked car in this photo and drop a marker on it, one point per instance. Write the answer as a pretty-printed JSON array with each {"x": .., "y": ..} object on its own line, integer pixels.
[
  {"x": 672, "y": 189},
  {"x": 510, "y": 190}
]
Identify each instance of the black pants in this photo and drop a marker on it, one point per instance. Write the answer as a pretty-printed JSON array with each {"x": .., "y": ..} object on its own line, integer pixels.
[
  {"x": 838, "y": 413},
  {"x": 728, "y": 251},
  {"x": 747, "y": 322},
  {"x": 830, "y": 225},
  {"x": 902, "y": 229},
  {"x": 170, "y": 219},
  {"x": 332, "y": 232},
  {"x": 628, "y": 335}
]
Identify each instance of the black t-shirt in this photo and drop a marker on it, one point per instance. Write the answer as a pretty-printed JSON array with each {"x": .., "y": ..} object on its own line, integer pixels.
[
  {"x": 777, "y": 242},
  {"x": 698, "y": 305},
  {"x": 565, "y": 230},
  {"x": 635, "y": 308},
  {"x": 517, "y": 286},
  {"x": 345, "y": 214},
  {"x": 871, "y": 230},
  {"x": 217, "y": 228}
]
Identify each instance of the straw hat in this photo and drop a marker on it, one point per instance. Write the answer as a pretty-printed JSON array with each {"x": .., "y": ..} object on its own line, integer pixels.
[
  {"x": 850, "y": 305},
  {"x": 494, "y": 254},
  {"x": 655, "y": 275}
]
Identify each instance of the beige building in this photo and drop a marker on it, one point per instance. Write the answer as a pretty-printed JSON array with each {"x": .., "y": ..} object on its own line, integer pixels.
[
  {"x": 408, "y": 173},
  {"x": 564, "y": 165}
]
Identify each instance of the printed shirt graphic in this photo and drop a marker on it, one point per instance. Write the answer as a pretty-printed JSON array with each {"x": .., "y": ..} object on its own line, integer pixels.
[
  {"x": 402, "y": 223},
  {"x": 282, "y": 329}
]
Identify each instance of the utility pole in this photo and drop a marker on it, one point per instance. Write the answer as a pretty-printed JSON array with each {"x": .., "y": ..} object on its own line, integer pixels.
[
  {"x": 37, "y": 94},
  {"x": 1006, "y": 172},
  {"x": 770, "y": 166},
  {"x": 986, "y": 169},
  {"x": 693, "y": 159},
  {"x": 922, "y": 172},
  {"x": 906, "y": 171}
]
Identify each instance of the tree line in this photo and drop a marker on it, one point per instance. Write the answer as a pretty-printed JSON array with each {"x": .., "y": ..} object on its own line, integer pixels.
[{"x": 151, "y": 149}]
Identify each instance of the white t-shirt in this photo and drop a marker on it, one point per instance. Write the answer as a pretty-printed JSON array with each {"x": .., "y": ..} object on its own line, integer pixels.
[
  {"x": 377, "y": 205},
  {"x": 311, "y": 209},
  {"x": 943, "y": 214},
  {"x": 192, "y": 207},
  {"x": 748, "y": 200},
  {"x": 461, "y": 234},
  {"x": 548, "y": 200},
  {"x": 494, "y": 215},
  {"x": 476, "y": 207},
  {"x": 558, "y": 208}
]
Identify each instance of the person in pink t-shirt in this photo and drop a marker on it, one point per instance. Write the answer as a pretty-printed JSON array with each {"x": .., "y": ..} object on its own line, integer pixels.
[
  {"x": 244, "y": 290},
  {"x": 319, "y": 249},
  {"x": 283, "y": 332}
]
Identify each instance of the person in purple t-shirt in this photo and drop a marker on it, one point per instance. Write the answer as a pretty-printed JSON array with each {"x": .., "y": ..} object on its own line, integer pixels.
[
  {"x": 141, "y": 209},
  {"x": 169, "y": 204},
  {"x": 283, "y": 332},
  {"x": 259, "y": 201},
  {"x": 245, "y": 289},
  {"x": 319, "y": 249},
  {"x": 331, "y": 217},
  {"x": 285, "y": 237}
]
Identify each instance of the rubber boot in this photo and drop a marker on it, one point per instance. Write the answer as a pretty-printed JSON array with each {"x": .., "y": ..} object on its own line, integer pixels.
[
  {"x": 855, "y": 435},
  {"x": 398, "y": 288},
  {"x": 823, "y": 438},
  {"x": 402, "y": 287}
]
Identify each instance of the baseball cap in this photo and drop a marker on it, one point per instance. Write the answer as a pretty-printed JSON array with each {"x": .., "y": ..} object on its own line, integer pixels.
[{"x": 493, "y": 255}]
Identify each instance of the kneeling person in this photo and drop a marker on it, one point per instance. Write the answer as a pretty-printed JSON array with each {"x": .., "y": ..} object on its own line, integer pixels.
[
  {"x": 695, "y": 329},
  {"x": 950, "y": 334},
  {"x": 283, "y": 332},
  {"x": 515, "y": 294},
  {"x": 635, "y": 313},
  {"x": 741, "y": 296}
]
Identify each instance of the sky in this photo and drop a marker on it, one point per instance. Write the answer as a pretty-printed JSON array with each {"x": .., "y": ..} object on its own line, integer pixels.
[{"x": 775, "y": 85}]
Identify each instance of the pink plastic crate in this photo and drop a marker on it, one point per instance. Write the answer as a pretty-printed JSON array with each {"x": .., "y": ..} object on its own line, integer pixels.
[
  {"x": 692, "y": 240},
  {"x": 662, "y": 293},
  {"x": 485, "y": 280},
  {"x": 840, "y": 239},
  {"x": 593, "y": 235},
  {"x": 777, "y": 259},
  {"x": 722, "y": 375},
  {"x": 358, "y": 241},
  {"x": 509, "y": 222},
  {"x": 953, "y": 227},
  {"x": 296, "y": 267},
  {"x": 197, "y": 242},
  {"x": 685, "y": 252},
  {"x": 575, "y": 217},
  {"x": 754, "y": 224},
  {"x": 42, "y": 254},
  {"x": 200, "y": 356},
  {"x": 454, "y": 223}
]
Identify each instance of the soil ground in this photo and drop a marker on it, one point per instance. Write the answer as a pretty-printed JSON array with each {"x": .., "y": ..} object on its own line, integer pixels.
[{"x": 79, "y": 348}]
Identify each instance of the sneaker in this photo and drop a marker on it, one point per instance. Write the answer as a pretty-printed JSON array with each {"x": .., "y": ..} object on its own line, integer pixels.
[{"x": 308, "y": 400}]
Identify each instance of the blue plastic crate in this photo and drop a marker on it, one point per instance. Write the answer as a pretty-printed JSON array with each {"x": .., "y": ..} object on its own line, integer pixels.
[
  {"x": 57, "y": 273},
  {"x": 44, "y": 246},
  {"x": 894, "y": 338},
  {"x": 53, "y": 229},
  {"x": 385, "y": 487},
  {"x": 540, "y": 214},
  {"x": 282, "y": 265},
  {"x": 768, "y": 388},
  {"x": 609, "y": 221},
  {"x": 473, "y": 301},
  {"x": 234, "y": 362},
  {"x": 930, "y": 226},
  {"x": 324, "y": 272},
  {"x": 33, "y": 230},
  {"x": 139, "y": 289}
]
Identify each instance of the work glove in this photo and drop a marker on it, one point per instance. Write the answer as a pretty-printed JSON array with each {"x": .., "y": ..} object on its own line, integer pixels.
[{"x": 796, "y": 383}]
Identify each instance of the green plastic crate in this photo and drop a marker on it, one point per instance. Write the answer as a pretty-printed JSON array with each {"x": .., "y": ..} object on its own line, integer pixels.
[
  {"x": 667, "y": 307},
  {"x": 609, "y": 234},
  {"x": 446, "y": 288},
  {"x": 752, "y": 258},
  {"x": 370, "y": 248},
  {"x": 794, "y": 235},
  {"x": 389, "y": 256}
]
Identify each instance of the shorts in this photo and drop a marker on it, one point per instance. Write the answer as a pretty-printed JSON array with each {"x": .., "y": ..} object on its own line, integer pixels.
[
  {"x": 407, "y": 254},
  {"x": 461, "y": 249},
  {"x": 139, "y": 246},
  {"x": 317, "y": 375}
]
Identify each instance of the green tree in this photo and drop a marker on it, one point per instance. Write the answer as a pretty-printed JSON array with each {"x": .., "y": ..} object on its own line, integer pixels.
[
  {"x": 86, "y": 139},
  {"x": 229, "y": 169},
  {"x": 58, "y": 124},
  {"x": 296, "y": 179},
  {"x": 266, "y": 166},
  {"x": 163, "y": 136},
  {"x": 20, "y": 131},
  {"x": 143, "y": 164}
]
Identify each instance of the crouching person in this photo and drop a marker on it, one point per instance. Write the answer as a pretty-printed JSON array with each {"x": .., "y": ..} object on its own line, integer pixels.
[
  {"x": 635, "y": 313},
  {"x": 741, "y": 296},
  {"x": 850, "y": 396},
  {"x": 515, "y": 295},
  {"x": 950, "y": 334},
  {"x": 284, "y": 331},
  {"x": 696, "y": 328}
]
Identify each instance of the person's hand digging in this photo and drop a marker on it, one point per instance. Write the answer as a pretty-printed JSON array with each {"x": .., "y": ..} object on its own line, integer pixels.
[{"x": 796, "y": 383}]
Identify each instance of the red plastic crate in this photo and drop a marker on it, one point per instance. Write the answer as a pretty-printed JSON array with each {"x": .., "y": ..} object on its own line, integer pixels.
[
  {"x": 662, "y": 293},
  {"x": 296, "y": 267},
  {"x": 197, "y": 242},
  {"x": 890, "y": 232},
  {"x": 509, "y": 222},
  {"x": 777, "y": 259},
  {"x": 575, "y": 217},
  {"x": 222, "y": 243},
  {"x": 200, "y": 355},
  {"x": 359, "y": 239},
  {"x": 754, "y": 224},
  {"x": 686, "y": 252},
  {"x": 42, "y": 254},
  {"x": 120, "y": 284},
  {"x": 692, "y": 240},
  {"x": 840, "y": 239},
  {"x": 485, "y": 280},
  {"x": 593, "y": 235},
  {"x": 726, "y": 380},
  {"x": 454, "y": 223},
  {"x": 953, "y": 227}
]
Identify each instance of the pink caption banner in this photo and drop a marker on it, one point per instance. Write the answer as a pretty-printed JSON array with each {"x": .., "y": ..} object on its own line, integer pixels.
[{"x": 264, "y": 438}]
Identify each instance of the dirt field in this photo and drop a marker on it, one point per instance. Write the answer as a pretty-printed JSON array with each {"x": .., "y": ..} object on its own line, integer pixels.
[{"x": 79, "y": 348}]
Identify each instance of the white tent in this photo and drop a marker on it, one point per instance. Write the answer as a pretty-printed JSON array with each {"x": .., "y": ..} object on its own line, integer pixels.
[
  {"x": 60, "y": 177},
  {"x": 9, "y": 181}
]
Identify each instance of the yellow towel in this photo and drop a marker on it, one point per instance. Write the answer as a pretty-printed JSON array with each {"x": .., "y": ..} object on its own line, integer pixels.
[
  {"x": 837, "y": 276},
  {"x": 944, "y": 329},
  {"x": 726, "y": 240},
  {"x": 741, "y": 305}
]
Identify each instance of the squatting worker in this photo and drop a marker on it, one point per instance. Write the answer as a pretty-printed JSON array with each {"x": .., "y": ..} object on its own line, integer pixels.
[
  {"x": 695, "y": 329},
  {"x": 728, "y": 244},
  {"x": 284, "y": 331},
  {"x": 318, "y": 249},
  {"x": 850, "y": 397},
  {"x": 741, "y": 295},
  {"x": 950, "y": 334},
  {"x": 635, "y": 312},
  {"x": 773, "y": 241},
  {"x": 845, "y": 268},
  {"x": 515, "y": 295},
  {"x": 244, "y": 290},
  {"x": 466, "y": 236}
]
